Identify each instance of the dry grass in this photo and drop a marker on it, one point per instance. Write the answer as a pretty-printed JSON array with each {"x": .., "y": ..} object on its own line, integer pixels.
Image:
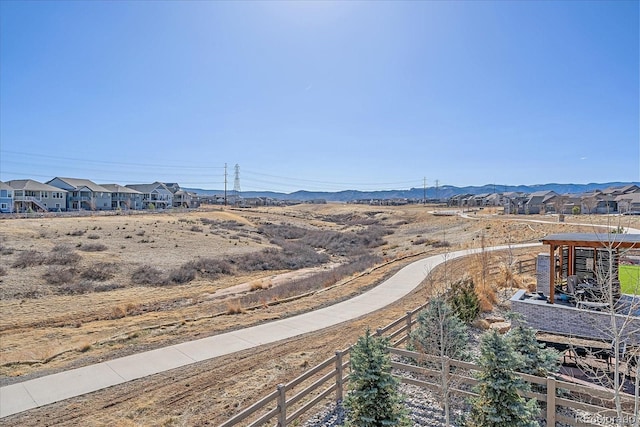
[
  {"x": 234, "y": 307},
  {"x": 106, "y": 300}
]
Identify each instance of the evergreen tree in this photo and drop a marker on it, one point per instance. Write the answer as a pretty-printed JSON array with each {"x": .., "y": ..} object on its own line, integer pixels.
[
  {"x": 498, "y": 403},
  {"x": 463, "y": 299},
  {"x": 374, "y": 400},
  {"x": 535, "y": 358}
]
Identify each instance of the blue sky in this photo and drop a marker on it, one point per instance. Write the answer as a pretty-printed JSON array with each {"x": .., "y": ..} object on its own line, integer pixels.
[{"x": 321, "y": 96}]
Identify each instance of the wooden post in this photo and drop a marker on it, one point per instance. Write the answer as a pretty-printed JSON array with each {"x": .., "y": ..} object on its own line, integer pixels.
[
  {"x": 552, "y": 274},
  {"x": 379, "y": 332},
  {"x": 551, "y": 401},
  {"x": 520, "y": 267},
  {"x": 408, "y": 323},
  {"x": 282, "y": 406},
  {"x": 339, "y": 376}
]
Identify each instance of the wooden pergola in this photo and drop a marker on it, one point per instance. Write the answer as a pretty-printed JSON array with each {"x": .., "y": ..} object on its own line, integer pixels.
[{"x": 572, "y": 241}]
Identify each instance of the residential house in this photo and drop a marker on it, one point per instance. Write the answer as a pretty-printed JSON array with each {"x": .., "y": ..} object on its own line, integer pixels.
[
  {"x": 154, "y": 196},
  {"x": 83, "y": 194},
  {"x": 628, "y": 202},
  {"x": 6, "y": 198},
  {"x": 599, "y": 202},
  {"x": 513, "y": 202},
  {"x": 30, "y": 195},
  {"x": 493, "y": 199},
  {"x": 535, "y": 204},
  {"x": 182, "y": 198},
  {"x": 123, "y": 197}
]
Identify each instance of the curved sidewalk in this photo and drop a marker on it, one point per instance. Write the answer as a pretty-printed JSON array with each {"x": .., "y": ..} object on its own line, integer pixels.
[{"x": 42, "y": 391}]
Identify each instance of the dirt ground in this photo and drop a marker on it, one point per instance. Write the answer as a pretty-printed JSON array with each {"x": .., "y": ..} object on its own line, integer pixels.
[{"x": 43, "y": 330}]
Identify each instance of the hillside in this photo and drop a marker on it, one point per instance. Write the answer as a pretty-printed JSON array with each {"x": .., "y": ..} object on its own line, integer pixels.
[{"x": 440, "y": 193}]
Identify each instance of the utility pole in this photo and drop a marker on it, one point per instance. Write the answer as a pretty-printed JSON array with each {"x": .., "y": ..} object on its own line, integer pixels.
[
  {"x": 225, "y": 184},
  {"x": 437, "y": 190}
]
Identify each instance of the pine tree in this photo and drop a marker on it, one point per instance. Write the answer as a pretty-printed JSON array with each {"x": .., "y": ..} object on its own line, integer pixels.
[
  {"x": 499, "y": 403},
  {"x": 535, "y": 358},
  {"x": 463, "y": 299},
  {"x": 374, "y": 400}
]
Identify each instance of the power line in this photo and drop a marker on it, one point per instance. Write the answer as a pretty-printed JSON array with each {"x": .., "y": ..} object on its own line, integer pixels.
[{"x": 106, "y": 162}]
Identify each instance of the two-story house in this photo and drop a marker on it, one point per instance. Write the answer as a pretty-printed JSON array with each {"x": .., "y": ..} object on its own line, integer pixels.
[
  {"x": 83, "y": 194},
  {"x": 30, "y": 195},
  {"x": 123, "y": 197},
  {"x": 154, "y": 196},
  {"x": 6, "y": 198}
]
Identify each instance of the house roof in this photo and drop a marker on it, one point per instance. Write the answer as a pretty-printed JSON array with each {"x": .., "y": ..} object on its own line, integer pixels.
[
  {"x": 77, "y": 183},
  {"x": 148, "y": 188},
  {"x": 631, "y": 197},
  {"x": 117, "y": 188},
  {"x": 5, "y": 186},
  {"x": 31, "y": 185},
  {"x": 600, "y": 240}
]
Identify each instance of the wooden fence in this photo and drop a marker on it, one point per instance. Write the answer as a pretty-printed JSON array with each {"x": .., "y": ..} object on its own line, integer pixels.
[
  {"x": 331, "y": 376},
  {"x": 520, "y": 266}
]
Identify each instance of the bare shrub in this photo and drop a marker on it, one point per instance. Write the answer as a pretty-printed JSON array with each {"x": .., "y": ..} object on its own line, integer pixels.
[
  {"x": 82, "y": 287},
  {"x": 93, "y": 237},
  {"x": 147, "y": 275},
  {"x": 421, "y": 241},
  {"x": 3, "y": 271},
  {"x": 229, "y": 224},
  {"x": 211, "y": 268},
  {"x": 441, "y": 244},
  {"x": 117, "y": 313},
  {"x": 62, "y": 255},
  {"x": 76, "y": 233},
  {"x": 292, "y": 256},
  {"x": 256, "y": 286},
  {"x": 100, "y": 271},
  {"x": 196, "y": 229},
  {"x": 59, "y": 275},
  {"x": 372, "y": 237},
  {"x": 234, "y": 307},
  {"x": 284, "y": 231},
  {"x": 108, "y": 287},
  {"x": 320, "y": 280},
  {"x": 6, "y": 251},
  {"x": 183, "y": 274},
  {"x": 140, "y": 233},
  {"x": 29, "y": 259},
  {"x": 93, "y": 247}
]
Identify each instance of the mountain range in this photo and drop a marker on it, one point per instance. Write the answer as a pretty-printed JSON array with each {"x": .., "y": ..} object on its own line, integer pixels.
[{"x": 440, "y": 193}]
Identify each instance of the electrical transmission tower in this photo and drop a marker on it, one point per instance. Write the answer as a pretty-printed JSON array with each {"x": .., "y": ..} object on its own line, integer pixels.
[{"x": 236, "y": 184}]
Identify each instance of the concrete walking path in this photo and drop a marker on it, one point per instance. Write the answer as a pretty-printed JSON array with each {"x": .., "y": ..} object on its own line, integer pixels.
[{"x": 42, "y": 391}]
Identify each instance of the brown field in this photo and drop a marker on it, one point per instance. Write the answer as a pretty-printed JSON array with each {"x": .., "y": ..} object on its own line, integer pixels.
[{"x": 68, "y": 296}]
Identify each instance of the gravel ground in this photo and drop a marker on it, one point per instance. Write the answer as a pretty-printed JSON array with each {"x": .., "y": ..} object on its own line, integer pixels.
[{"x": 424, "y": 410}]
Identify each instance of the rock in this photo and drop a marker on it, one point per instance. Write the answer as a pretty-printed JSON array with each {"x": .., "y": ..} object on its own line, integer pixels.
[
  {"x": 501, "y": 327},
  {"x": 481, "y": 324},
  {"x": 494, "y": 319}
]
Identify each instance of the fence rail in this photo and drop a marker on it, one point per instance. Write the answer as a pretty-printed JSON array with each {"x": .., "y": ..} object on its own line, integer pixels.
[
  {"x": 330, "y": 377},
  {"x": 520, "y": 266}
]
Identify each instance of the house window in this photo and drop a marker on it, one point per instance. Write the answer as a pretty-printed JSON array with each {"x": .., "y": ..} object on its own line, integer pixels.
[
  {"x": 19, "y": 193},
  {"x": 3, "y": 206},
  {"x": 3, "y": 193},
  {"x": 57, "y": 205}
]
